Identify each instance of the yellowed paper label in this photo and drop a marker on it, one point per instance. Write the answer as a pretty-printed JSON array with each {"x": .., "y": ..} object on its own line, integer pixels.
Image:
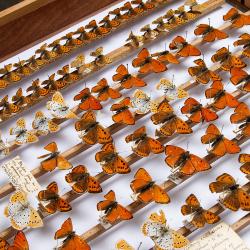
[
  {"x": 20, "y": 177},
  {"x": 221, "y": 237}
]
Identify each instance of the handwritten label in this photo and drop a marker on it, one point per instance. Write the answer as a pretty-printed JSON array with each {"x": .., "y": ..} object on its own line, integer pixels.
[
  {"x": 20, "y": 177},
  {"x": 221, "y": 237}
]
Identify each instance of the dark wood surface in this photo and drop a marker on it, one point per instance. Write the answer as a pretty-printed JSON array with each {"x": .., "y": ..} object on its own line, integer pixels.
[{"x": 44, "y": 22}]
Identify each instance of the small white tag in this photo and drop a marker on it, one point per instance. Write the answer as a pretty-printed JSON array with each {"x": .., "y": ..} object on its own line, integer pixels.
[
  {"x": 20, "y": 177},
  {"x": 104, "y": 222}
]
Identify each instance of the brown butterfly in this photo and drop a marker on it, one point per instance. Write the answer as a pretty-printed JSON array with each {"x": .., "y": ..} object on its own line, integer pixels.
[
  {"x": 144, "y": 145},
  {"x": 171, "y": 122},
  {"x": 146, "y": 189},
  {"x": 45, "y": 54},
  {"x": 219, "y": 143},
  {"x": 91, "y": 132},
  {"x": 53, "y": 85},
  {"x": 67, "y": 77},
  {"x": 245, "y": 159},
  {"x": 7, "y": 107},
  {"x": 71, "y": 41},
  {"x": 82, "y": 181},
  {"x": 245, "y": 41},
  {"x": 201, "y": 72},
  {"x": 187, "y": 15},
  {"x": 240, "y": 77},
  {"x": 241, "y": 116},
  {"x": 227, "y": 60},
  {"x": 184, "y": 162},
  {"x": 221, "y": 98},
  {"x": 19, "y": 99},
  {"x": 58, "y": 48},
  {"x": 126, "y": 79},
  {"x": 148, "y": 33},
  {"x": 94, "y": 28},
  {"x": 8, "y": 75},
  {"x": 123, "y": 114},
  {"x": 100, "y": 59},
  {"x": 109, "y": 24},
  {"x": 234, "y": 197},
  {"x": 105, "y": 91},
  {"x": 133, "y": 40},
  {"x": 129, "y": 10},
  {"x": 84, "y": 35},
  {"x": 209, "y": 34},
  {"x": 37, "y": 90},
  {"x": 184, "y": 49},
  {"x": 56, "y": 203},
  {"x": 35, "y": 63},
  {"x": 238, "y": 20},
  {"x": 71, "y": 239},
  {"x": 117, "y": 15},
  {"x": 161, "y": 26},
  {"x": 197, "y": 112},
  {"x": 20, "y": 243},
  {"x": 201, "y": 216},
  {"x": 172, "y": 20},
  {"x": 111, "y": 161},
  {"x": 147, "y": 64},
  {"x": 22, "y": 68},
  {"x": 166, "y": 57},
  {"x": 54, "y": 159},
  {"x": 141, "y": 6},
  {"x": 112, "y": 209}
]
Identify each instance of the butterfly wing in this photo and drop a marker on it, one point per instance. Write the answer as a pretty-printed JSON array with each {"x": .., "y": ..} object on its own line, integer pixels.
[
  {"x": 173, "y": 154},
  {"x": 20, "y": 242},
  {"x": 63, "y": 163}
]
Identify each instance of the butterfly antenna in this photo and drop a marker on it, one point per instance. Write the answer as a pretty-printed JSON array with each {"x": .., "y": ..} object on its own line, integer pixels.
[
  {"x": 203, "y": 56},
  {"x": 222, "y": 128},
  {"x": 187, "y": 145},
  {"x": 173, "y": 78},
  {"x": 186, "y": 33},
  {"x": 165, "y": 45},
  {"x": 209, "y": 21},
  {"x": 139, "y": 246},
  {"x": 127, "y": 66}
]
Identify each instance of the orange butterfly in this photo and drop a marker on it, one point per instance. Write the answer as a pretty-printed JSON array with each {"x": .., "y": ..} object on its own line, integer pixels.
[
  {"x": 241, "y": 116},
  {"x": 171, "y": 122},
  {"x": 7, "y": 107},
  {"x": 245, "y": 159},
  {"x": 71, "y": 239},
  {"x": 82, "y": 181},
  {"x": 105, "y": 91},
  {"x": 71, "y": 41},
  {"x": 91, "y": 131},
  {"x": 184, "y": 49},
  {"x": 111, "y": 161},
  {"x": 245, "y": 41},
  {"x": 238, "y": 20},
  {"x": 227, "y": 60},
  {"x": 141, "y": 6},
  {"x": 127, "y": 80},
  {"x": 56, "y": 203},
  {"x": 144, "y": 145},
  {"x": 239, "y": 76},
  {"x": 112, "y": 209},
  {"x": 58, "y": 48},
  {"x": 209, "y": 33},
  {"x": 54, "y": 159},
  {"x": 67, "y": 76},
  {"x": 35, "y": 63},
  {"x": 146, "y": 189},
  {"x": 45, "y": 54},
  {"x": 234, "y": 197},
  {"x": 201, "y": 73},
  {"x": 166, "y": 57},
  {"x": 87, "y": 100},
  {"x": 19, "y": 99},
  {"x": 184, "y": 162},
  {"x": 9, "y": 75},
  {"x": 94, "y": 28},
  {"x": 109, "y": 24},
  {"x": 129, "y": 10},
  {"x": 197, "y": 112},
  {"x": 123, "y": 114},
  {"x": 147, "y": 64},
  {"x": 84, "y": 35},
  {"x": 22, "y": 68},
  {"x": 220, "y": 144},
  {"x": 37, "y": 90},
  {"x": 20, "y": 243},
  {"x": 100, "y": 59},
  {"x": 221, "y": 98},
  {"x": 51, "y": 84},
  {"x": 117, "y": 14},
  {"x": 201, "y": 216}
]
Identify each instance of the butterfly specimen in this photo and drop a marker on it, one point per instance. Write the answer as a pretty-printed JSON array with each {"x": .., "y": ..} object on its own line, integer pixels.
[
  {"x": 37, "y": 90},
  {"x": 54, "y": 159},
  {"x": 171, "y": 123},
  {"x": 187, "y": 15},
  {"x": 111, "y": 161},
  {"x": 172, "y": 20},
  {"x": 234, "y": 197},
  {"x": 201, "y": 73},
  {"x": 148, "y": 33},
  {"x": 200, "y": 215},
  {"x": 141, "y": 6},
  {"x": 100, "y": 59},
  {"x": 198, "y": 113},
  {"x": 97, "y": 30},
  {"x": 43, "y": 124},
  {"x": 70, "y": 239},
  {"x": 22, "y": 134},
  {"x": 67, "y": 77},
  {"x": 82, "y": 181},
  {"x": 88, "y": 101},
  {"x": 109, "y": 24},
  {"x": 238, "y": 20},
  {"x": 58, "y": 107},
  {"x": 7, "y": 108},
  {"x": 122, "y": 112},
  {"x": 71, "y": 41},
  {"x": 221, "y": 98},
  {"x": 219, "y": 143},
  {"x": 184, "y": 49},
  {"x": 20, "y": 243},
  {"x": 58, "y": 48},
  {"x": 147, "y": 63},
  {"x": 84, "y": 35},
  {"x": 90, "y": 131},
  {"x": 105, "y": 91},
  {"x": 240, "y": 77},
  {"x": 21, "y": 213},
  {"x": 35, "y": 63},
  {"x": 227, "y": 60},
  {"x": 143, "y": 103},
  {"x": 166, "y": 57},
  {"x": 209, "y": 34},
  {"x": 22, "y": 68},
  {"x": 184, "y": 162},
  {"x": 80, "y": 65},
  {"x": 51, "y": 84},
  {"x": 4, "y": 148},
  {"x": 245, "y": 159},
  {"x": 245, "y": 41},
  {"x": 112, "y": 209},
  {"x": 45, "y": 54},
  {"x": 128, "y": 10},
  {"x": 134, "y": 40},
  {"x": 241, "y": 116},
  {"x": 146, "y": 189},
  {"x": 8, "y": 75},
  {"x": 144, "y": 145},
  {"x": 123, "y": 245},
  {"x": 163, "y": 236},
  {"x": 19, "y": 99},
  {"x": 56, "y": 203},
  {"x": 117, "y": 14},
  {"x": 161, "y": 26},
  {"x": 170, "y": 90},
  {"x": 126, "y": 79}
]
